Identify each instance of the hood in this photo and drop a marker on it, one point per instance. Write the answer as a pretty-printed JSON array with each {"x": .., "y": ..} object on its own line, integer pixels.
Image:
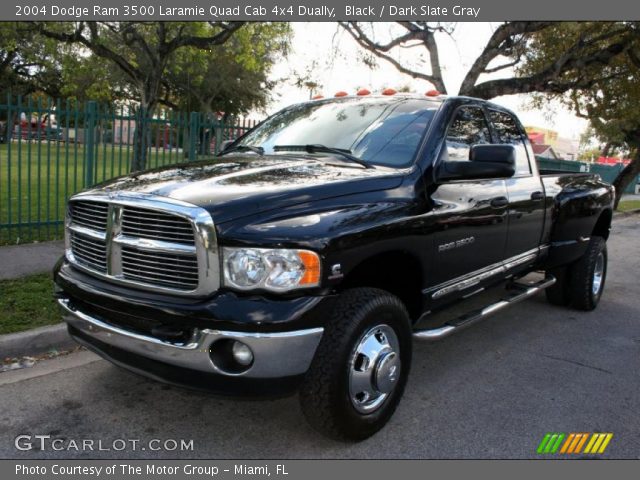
[{"x": 235, "y": 186}]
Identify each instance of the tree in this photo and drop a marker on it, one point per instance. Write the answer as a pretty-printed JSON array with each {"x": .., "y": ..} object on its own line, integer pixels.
[
  {"x": 610, "y": 101},
  {"x": 27, "y": 65},
  {"x": 227, "y": 80},
  {"x": 307, "y": 78},
  {"x": 142, "y": 51},
  {"x": 506, "y": 52},
  {"x": 230, "y": 78}
]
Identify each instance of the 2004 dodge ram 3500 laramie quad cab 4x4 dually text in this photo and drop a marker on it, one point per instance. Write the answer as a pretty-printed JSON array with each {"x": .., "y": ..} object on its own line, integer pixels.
[{"x": 316, "y": 247}]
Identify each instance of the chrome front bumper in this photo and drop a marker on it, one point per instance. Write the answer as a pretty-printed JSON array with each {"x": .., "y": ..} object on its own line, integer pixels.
[{"x": 276, "y": 355}]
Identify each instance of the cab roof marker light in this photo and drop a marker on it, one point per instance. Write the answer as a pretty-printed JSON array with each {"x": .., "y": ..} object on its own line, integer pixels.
[
  {"x": 363, "y": 91},
  {"x": 317, "y": 97},
  {"x": 389, "y": 91},
  {"x": 433, "y": 93},
  {"x": 341, "y": 93}
]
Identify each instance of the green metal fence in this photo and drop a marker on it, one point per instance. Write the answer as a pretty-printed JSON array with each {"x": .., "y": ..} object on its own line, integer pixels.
[
  {"x": 50, "y": 150},
  {"x": 607, "y": 172}
]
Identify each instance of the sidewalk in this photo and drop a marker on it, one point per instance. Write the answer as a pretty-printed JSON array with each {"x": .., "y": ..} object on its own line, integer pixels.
[{"x": 22, "y": 260}]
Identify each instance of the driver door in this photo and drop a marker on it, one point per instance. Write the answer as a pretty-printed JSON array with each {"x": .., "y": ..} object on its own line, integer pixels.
[{"x": 470, "y": 215}]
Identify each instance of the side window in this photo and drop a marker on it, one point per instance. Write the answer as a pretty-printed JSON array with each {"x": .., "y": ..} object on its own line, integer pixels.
[
  {"x": 508, "y": 132},
  {"x": 469, "y": 128}
]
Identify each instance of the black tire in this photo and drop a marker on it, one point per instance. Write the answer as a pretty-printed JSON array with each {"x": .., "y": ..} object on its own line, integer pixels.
[
  {"x": 582, "y": 290},
  {"x": 558, "y": 293},
  {"x": 325, "y": 394}
]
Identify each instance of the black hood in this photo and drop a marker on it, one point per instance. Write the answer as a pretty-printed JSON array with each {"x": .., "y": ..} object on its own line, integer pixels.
[{"x": 236, "y": 186}]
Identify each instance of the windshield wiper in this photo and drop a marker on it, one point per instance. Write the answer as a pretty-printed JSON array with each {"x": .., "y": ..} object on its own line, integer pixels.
[
  {"x": 243, "y": 148},
  {"x": 316, "y": 148}
]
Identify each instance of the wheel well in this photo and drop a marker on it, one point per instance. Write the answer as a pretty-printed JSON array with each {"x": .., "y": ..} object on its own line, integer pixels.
[
  {"x": 603, "y": 225},
  {"x": 398, "y": 273}
]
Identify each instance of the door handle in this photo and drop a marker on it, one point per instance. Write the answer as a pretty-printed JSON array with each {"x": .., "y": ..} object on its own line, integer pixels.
[
  {"x": 537, "y": 196},
  {"x": 499, "y": 202}
]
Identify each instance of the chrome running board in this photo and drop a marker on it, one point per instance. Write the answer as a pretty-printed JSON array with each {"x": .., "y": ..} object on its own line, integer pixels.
[{"x": 516, "y": 293}]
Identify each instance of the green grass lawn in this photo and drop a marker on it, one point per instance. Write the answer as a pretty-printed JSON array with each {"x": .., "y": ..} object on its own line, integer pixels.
[
  {"x": 27, "y": 303},
  {"x": 36, "y": 179},
  {"x": 626, "y": 205}
]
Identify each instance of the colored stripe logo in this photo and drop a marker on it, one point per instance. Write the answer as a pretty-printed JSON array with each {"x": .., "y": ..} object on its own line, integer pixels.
[{"x": 573, "y": 443}]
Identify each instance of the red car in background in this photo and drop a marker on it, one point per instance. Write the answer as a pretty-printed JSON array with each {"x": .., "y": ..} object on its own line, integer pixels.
[{"x": 37, "y": 129}]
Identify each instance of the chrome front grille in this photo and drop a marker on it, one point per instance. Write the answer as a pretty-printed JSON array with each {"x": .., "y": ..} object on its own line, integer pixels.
[
  {"x": 145, "y": 223},
  {"x": 149, "y": 242},
  {"x": 90, "y": 214},
  {"x": 90, "y": 252},
  {"x": 160, "y": 268}
]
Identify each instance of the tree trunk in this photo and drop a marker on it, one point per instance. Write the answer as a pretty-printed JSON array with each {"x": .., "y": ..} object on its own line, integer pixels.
[
  {"x": 9, "y": 127},
  {"x": 626, "y": 176},
  {"x": 141, "y": 139},
  {"x": 148, "y": 89}
]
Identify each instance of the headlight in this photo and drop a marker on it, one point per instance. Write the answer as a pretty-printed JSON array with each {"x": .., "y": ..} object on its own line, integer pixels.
[{"x": 271, "y": 269}]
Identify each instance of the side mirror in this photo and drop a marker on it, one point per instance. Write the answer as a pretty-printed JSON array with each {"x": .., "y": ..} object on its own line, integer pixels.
[
  {"x": 493, "y": 154},
  {"x": 485, "y": 161}
]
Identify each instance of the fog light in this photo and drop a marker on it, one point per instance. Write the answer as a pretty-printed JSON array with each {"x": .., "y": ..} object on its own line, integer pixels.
[{"x": 242, "y": 353}]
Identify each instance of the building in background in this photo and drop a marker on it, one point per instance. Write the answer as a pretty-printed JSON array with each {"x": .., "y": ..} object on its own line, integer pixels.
[
  {"x": 542, "y": 150},
  {"x": 560, "y": 147}
]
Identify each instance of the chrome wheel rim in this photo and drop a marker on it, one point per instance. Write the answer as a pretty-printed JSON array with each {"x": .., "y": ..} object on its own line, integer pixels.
[
  {"x": 374, "y": 368},
  {"x": 598, "y": 274}
]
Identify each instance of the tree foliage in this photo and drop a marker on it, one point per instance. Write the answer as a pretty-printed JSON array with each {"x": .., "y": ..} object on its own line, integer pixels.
[
  {"x": 609, "y": 99},
  {"x": 232, "y": 78},
  {"x": 507, "y": 54},
  {"x": 142, "y": 51}
]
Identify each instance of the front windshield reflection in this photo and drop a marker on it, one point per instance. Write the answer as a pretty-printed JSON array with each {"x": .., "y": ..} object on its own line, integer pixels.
[{"x": 377, "y": 130}]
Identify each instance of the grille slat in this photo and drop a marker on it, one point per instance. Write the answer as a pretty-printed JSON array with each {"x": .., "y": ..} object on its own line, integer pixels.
[
  {"x": 132, "y": 261},
  {"x": 159, "y": 224},
  {"x": 89, "y": 248},
  {"x": 147, "y": 256},
  {"x": 160, "y": 268},
  {"x": 90, "y": 214},
  {"x": 162, "y": 276},
  {"x": 163, "y": 283},
  {"x": 89, "y": 252},
  {"x": 157, "y": 234},
  {"x": 177, "y": 271},
  {"x": 94, "y": 253},
  {"x": 154, "y": 225}
]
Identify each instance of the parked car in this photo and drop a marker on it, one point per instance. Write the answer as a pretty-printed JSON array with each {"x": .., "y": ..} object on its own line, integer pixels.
[{"x": 317, "y": 247}]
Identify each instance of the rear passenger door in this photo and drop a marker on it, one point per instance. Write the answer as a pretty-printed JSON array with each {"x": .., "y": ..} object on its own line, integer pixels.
[{"x": 525, "y": 216}]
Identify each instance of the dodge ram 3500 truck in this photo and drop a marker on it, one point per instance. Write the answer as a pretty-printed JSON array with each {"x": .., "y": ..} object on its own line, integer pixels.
[{"x": 315, "y": 248}]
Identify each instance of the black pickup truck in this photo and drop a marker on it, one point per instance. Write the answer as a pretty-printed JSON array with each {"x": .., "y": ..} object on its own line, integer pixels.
[{"x": 314, "y": 249}]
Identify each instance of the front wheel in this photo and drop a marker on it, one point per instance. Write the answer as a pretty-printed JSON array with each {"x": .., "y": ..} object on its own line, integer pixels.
[{"x": 360, "y": 369}]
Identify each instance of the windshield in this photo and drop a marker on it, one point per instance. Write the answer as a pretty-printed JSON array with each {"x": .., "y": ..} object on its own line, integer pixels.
[{"x": 377, "y": 130}]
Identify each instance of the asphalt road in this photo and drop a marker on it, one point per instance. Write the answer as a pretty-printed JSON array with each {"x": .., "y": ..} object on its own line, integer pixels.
[{"x": 492, "y": 391}]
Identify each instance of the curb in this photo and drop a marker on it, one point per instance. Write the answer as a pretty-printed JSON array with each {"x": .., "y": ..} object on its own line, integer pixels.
[
  {"x": 35, "y": 341},
  {"x": 627, "y": 214}
]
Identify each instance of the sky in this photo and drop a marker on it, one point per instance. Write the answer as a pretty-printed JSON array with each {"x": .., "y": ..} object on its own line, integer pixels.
[{"x": 339, "y": 66}]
